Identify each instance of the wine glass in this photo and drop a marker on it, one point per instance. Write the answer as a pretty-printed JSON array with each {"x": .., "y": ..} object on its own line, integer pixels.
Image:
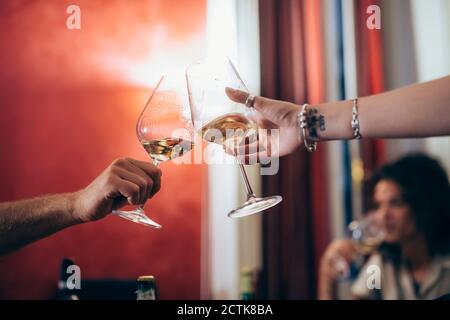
[
  {"x": 164, "y": 130},
  {"x": 367, "y": 235},
  {"x": 219, "y": 120}
]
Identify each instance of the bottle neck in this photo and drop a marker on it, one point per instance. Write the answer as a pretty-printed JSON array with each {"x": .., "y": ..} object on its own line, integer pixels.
[
  {"x": 247, "y": 296},
  {"x": 246, "y": 285},
  {"x": 146, "y": 290},
  {"x": 146, "y": 295}
]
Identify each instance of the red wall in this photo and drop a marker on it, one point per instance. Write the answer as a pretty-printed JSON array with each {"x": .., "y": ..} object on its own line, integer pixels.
[{"x": 68, "y": 108}]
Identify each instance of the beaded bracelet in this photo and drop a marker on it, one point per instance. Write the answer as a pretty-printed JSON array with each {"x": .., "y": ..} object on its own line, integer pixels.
[{"x": 303, "y": 124}]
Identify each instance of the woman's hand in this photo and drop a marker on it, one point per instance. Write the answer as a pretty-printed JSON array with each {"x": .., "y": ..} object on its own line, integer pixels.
[
  {"x": 281, "y": 134},
  {"x": 334, "y": 263}
]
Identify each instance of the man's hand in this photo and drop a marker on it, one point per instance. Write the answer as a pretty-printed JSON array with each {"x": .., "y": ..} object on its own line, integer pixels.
[
  {"x": 270, "y": 114},
  {"x": 125, "y": 180}
]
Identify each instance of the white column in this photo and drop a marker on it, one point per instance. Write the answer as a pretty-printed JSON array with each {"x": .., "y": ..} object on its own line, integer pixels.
[
  {"x": 432, "y": 35},
  {"x": 220, "y": 262},
  {"x": 351, "y": 92},
  {"x": 334, "y": 148},
  {"x": 249, "y": 228},
  {"x": 227, "y": 245}
]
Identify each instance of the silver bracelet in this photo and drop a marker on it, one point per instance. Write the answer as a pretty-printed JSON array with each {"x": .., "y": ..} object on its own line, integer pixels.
[
  {"x": 303, "y": 124},
  {"x": 355, "y": 120}
]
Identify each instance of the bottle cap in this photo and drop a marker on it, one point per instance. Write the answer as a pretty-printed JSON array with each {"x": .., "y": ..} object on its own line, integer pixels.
[{"x": 146, "y": 278}]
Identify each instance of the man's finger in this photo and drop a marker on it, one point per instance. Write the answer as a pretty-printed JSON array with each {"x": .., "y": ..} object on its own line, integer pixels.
[
  {"x": 129, "y": 190},
  {"x": 149, "y": 168},
  {"x": 137, "y": 180},
  {"x": 151, "y": 172},
  {"x": 156, "y": 186},
  {"x": 154, "y": 173},
  {"x": 140, "y": 177}
]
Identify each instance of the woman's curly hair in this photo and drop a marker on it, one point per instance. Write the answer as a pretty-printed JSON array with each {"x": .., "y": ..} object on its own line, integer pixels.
[{"x": 426, "y": 190}]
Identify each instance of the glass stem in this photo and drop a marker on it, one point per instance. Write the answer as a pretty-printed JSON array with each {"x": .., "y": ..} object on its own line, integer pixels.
[
  {"x": 155, "y": 163},
  {"x": 250, "y": 193}
]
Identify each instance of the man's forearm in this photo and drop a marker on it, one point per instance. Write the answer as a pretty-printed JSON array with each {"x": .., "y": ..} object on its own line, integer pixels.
[
  {"x": 22, "y": 222},
  {"x": 123, "y": 181}
]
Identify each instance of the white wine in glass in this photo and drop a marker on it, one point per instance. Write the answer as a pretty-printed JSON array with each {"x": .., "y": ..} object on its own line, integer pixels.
[
  {"x": 222, "y": 121},
  {"x": 164, "y": 130},
  {"x": 367, "y": 234},
  {"x": 167, "y": 149},
  {"x": 232, "y": 126}
]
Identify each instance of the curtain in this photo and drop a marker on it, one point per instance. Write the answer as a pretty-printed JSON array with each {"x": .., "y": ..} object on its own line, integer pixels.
[
  {"x": 296, "y": 231},
  {"x": 370, "y": 81}
]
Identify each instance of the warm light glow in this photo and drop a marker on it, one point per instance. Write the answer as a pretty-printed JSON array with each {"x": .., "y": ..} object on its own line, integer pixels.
[
  {"x": 169, "y": 58},
  {"x": 357, "y": 170}
]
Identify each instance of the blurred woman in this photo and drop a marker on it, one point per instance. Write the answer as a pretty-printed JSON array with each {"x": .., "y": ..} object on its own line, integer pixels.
[{"x": 411, "y": 200}]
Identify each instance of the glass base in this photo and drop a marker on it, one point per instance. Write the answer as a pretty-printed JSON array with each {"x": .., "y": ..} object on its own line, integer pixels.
[
  {"x": 138, "y": 216},
  {"x": 254, "y": 205}
]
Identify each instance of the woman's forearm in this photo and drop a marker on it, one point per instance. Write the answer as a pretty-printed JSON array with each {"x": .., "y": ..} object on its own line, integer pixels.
[{"x": 419, "y": 110}]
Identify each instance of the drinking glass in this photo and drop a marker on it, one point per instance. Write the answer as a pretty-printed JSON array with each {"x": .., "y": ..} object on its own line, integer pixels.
[
  {"x": 367, "y": 235},
  {"x": 220, "y": 120},
  {"x": 164, "y": 130}
]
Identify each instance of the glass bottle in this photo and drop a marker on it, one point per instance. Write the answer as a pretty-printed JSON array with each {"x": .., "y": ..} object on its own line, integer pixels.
[
  {"x": 146, "y": 288},
  {"x": 246, "y": 284}
]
